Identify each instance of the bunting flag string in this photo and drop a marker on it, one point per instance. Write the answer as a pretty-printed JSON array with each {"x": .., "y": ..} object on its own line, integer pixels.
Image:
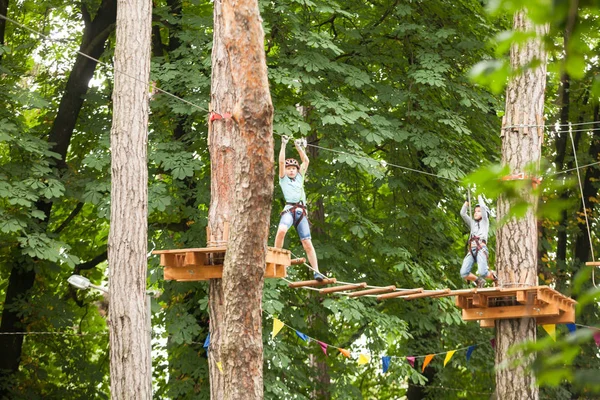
[{"x": 363, "y": 358}]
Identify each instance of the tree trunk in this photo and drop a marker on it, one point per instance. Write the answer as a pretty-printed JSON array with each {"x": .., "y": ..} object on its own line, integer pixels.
[
  {"x": 130, "y": 358},
  {"x": 221, "y": 134},
  {"x": 22, "y": 275},
  {"x": 517, "y": 240},
  {"x": 244, "y": 267},
  {"x": 3, "y": 11}
]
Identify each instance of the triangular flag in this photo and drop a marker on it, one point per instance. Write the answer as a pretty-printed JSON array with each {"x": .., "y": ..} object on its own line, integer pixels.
[
  {"x": 323, "y": 346},
  {"x": 427, "y": 360},
  {"x": 469, "y": 352},
  {"x": 345, "y": 352},
  {"x": 363, "y": 359},
  {"x": 411, "y": 361},
  {"x": 572, "y": 328},
  {"x": 551, "y": 330},
  {"x": 302, "y": 336},
  {"x": 597, "y": 338},
  {"x": 493, "y": 342},
  {"x": 385, "y": 363},
  {"x": 277, "y": 326},
  {"x": 206, "y": 344},
  {"x": 220, "y": 366},
  {"x": 448, "y": 356}
]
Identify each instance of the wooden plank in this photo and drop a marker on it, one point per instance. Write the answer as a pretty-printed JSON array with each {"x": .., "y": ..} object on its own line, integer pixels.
[
  {"x": 341, "y": 288},
  {"x": 399, "y": 293},
  {"x": 522, "y": 297},
  {"x": 479, "y": 300},
  {"x": 270, "y": 270},
  {"x": 563, "y": 318},
  {"x": 216, "y": 249},
  {"x": 373, "y": 291},
  {"x": 461, "y": 302},
  {"x": 426, "y": 294},
  {"x": 311, "y": 283},
  {"x": 280, "y": 271},
  {"x": 194, "y": 273},
  {"x": 511, "y": 312},
  {"x": 487, "y": 323},
  {"x": 593, "y": 263}
]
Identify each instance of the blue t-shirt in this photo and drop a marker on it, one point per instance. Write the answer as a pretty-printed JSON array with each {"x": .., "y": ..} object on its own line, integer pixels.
[{"x": 293, "y": 190}]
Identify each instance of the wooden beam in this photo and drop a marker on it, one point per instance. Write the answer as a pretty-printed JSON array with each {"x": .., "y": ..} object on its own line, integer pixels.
[
  {"x": 593, "y": 263},
  {"x": 487, "y": 323},
  {"x": 510, "y": 312},
  {"x": 399, "y": 293},
  {"x": 341, "y": 288},
  {"x": 311, "y": 283},
  {"x": 563, "y": 318},
  {"x": 216, "y": 249},
  {"x": 373, "y": 291},
  {"x": 426, "y": 294}
]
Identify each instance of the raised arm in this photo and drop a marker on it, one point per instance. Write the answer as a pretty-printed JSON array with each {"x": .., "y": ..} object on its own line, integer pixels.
[
  {"x": 464, "y": 215},
  {"x": 484, "y": 209},
  {"x": 303, "y": 157},
  {"x": 284, "y": 140}
]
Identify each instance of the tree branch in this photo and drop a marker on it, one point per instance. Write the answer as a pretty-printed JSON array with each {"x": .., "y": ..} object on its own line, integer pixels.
[{"x": 66, "y": 222}]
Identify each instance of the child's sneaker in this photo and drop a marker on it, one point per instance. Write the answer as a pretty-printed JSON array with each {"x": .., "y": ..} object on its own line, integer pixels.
[
  {"x": 319, "y": 276},
  {"x": 480, "y": 282}
]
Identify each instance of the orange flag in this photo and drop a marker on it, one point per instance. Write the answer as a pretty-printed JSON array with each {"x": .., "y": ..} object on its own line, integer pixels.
[
  {"x": 428, "y": 359},
  {"x": 345, "y": 352}
]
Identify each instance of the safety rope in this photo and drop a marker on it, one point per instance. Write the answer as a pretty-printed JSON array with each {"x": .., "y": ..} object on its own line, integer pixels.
[{"x": 587, "y": 222}]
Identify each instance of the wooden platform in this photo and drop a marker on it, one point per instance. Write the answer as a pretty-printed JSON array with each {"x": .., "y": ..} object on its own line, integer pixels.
[
  {"x": 205, "y": 263},
  {"x": 487, "y": 305}
]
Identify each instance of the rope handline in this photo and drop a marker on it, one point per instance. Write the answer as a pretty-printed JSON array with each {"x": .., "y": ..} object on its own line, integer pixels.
[
  {"x": 150, "y": 84},
  {"x": 587, "y": 223},
  {"x": 193, "y": 105}
]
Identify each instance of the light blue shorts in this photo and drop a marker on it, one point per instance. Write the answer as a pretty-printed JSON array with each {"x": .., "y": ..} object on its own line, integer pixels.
[{"x": 303, "y": 227}]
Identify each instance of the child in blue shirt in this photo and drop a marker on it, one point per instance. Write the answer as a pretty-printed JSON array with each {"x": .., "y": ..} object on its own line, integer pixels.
[{"x": 291, "y": 180}]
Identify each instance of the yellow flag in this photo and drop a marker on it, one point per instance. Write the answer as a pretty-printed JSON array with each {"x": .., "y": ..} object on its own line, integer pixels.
[
  {"x": 345, "y": 352},
  {"x": 363, "y": 359},
  {"x": 277, "y": 326},
  {"x": 428, "y": 359},
  {"x": 220, "y": 366},
  {"x": 551, "y": 330},
  {"x": 449, "y": 356}
]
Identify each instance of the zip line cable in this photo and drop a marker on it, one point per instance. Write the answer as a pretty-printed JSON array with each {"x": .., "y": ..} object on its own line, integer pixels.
[
  {"x": 150, "y": 84},
  {"x": 193, "y": 105},
  {"x": 587, "y": 223}
]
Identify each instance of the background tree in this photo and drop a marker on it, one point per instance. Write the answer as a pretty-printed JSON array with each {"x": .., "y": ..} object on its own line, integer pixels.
[{"x": 130, "y": 358}]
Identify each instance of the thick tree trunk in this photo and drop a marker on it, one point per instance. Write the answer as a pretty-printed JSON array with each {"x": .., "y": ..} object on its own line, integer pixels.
[
  {"x": 244, "y": 267},
  {"x": 221, "y": 134},
  {"x": 130, "y": 359},
  {"x": 22, "y": 275},
  {"x": 3, "y": 11},
  {"x": 517, "y": 240}
]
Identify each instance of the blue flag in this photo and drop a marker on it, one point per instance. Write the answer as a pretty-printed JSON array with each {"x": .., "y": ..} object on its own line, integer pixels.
[
  {"x": 469, "y": 352},
  {"x": 385, "y": 363},
  {"x": 302, "y": 336},
  {"x": 206, "y": 344},
  {"x": 572, "y": 328}
]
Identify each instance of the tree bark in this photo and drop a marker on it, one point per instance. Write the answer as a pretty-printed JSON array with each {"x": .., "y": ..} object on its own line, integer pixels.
[
  {"x": 221, "y": 134},
  {"x": 130, "y": 359},
  {"x": 3, "y": 11},
  {"x": 244, "y": 267},
  {"x": 22, "y": 275},
  {"x": 242, "y": 189},
  {"x": 517, "y": 240}
]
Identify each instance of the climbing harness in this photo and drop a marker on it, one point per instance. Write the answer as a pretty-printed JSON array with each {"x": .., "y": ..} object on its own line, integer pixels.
[
  {"x": 475, "y": 244},
  {"x": 295, "y": 206}
]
